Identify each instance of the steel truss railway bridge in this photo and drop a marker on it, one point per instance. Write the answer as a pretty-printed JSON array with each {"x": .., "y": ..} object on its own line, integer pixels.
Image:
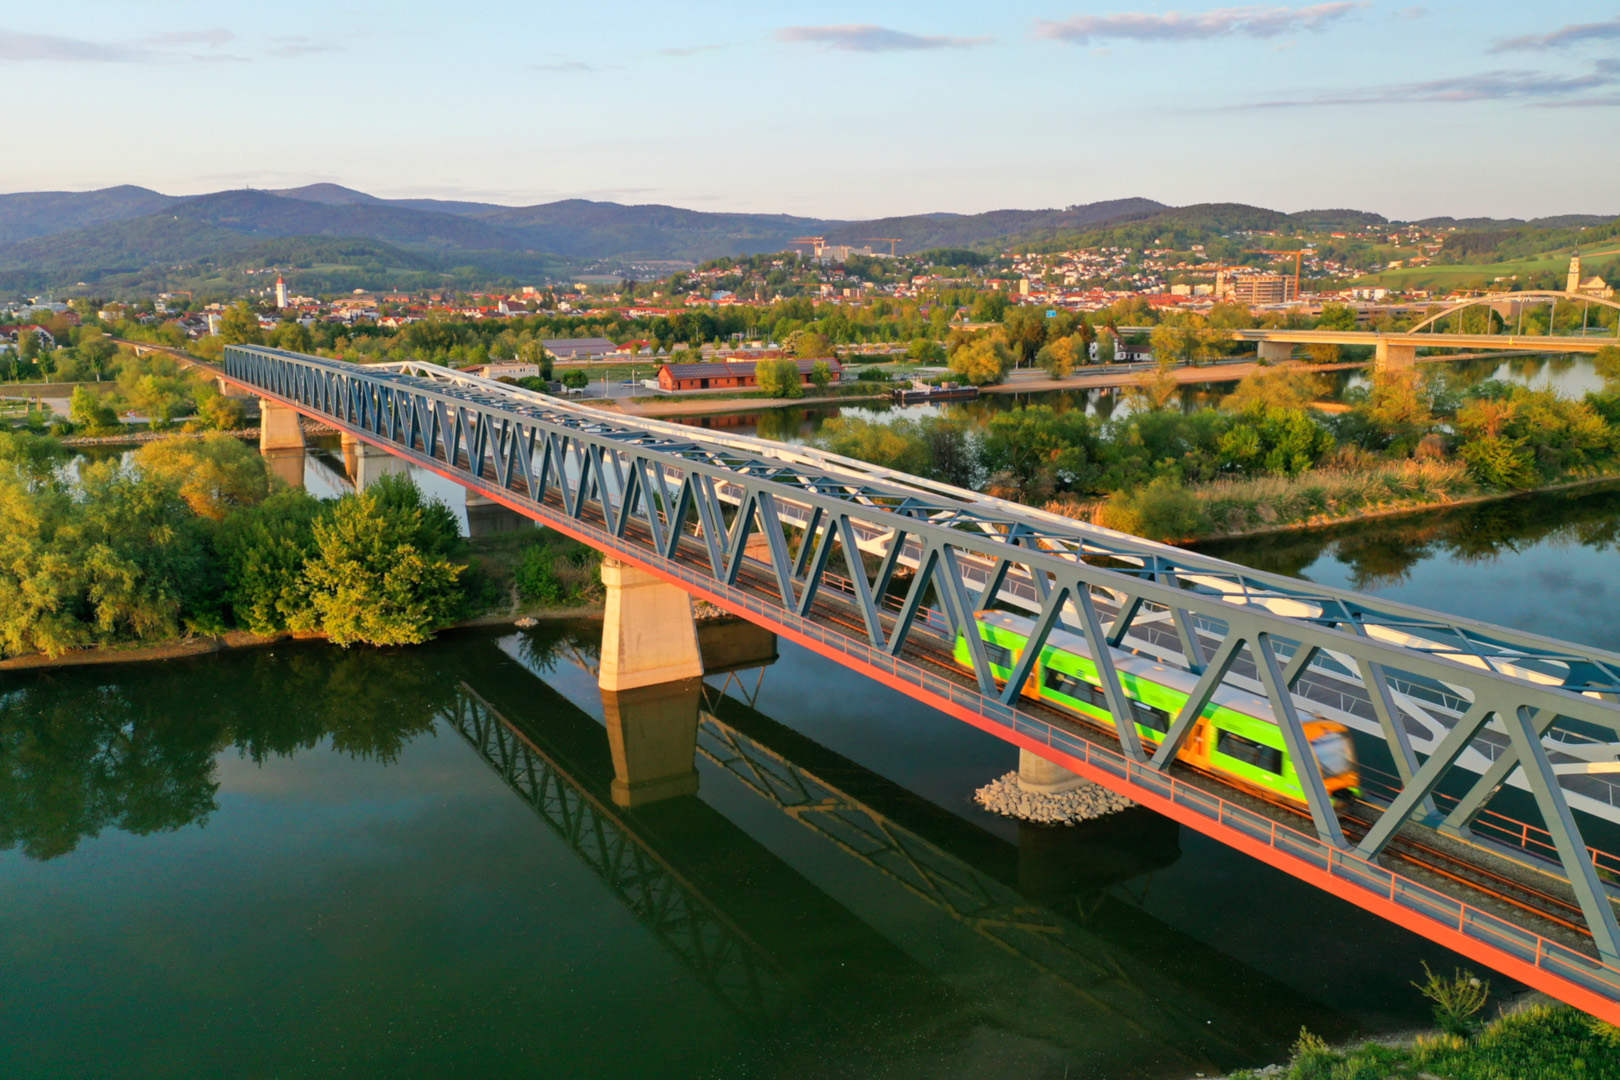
[{"x": 1482, "y": 727}]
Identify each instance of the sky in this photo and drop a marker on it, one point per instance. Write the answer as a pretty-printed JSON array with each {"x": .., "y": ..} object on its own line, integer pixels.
[{"x": 838, "y": 110}]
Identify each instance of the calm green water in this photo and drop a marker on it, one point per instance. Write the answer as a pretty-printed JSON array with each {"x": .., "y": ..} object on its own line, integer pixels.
[{"x": 290, "y": 862}]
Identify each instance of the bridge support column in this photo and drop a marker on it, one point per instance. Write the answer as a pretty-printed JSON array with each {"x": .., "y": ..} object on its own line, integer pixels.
[
  {"x": 1038, "y": 776},
  {"x": 486, "y": 517},
  {"x": 652, "y": 731},
  {"x": 1394, "y": 356},
  {"x": 1275, "y": 352},
  {"x": 281, "y": 441},
  {"x": 366, "y": 464},
  {"x": 648, "y": 635}
]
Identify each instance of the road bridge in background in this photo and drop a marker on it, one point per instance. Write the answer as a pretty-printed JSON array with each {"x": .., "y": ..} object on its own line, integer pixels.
[{"x": 881, "y": 571}]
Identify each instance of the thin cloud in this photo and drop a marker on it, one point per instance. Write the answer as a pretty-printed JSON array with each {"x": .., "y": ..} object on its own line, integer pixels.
[
  {"x": 688, "y": 50},
  {"x": 299, "y": 45},
  {"x": 212, "y": 38},
  {"x": 869, "y": 39},
  {"x": 1255, "y": 21},
  {"x": 74, "y": 50},
  {"x": 1411, "y": 13},
  {"x": 1574, "y": 34},
  {"x": 566, "y": 67},
  {"x": 1530, "y": 87}
]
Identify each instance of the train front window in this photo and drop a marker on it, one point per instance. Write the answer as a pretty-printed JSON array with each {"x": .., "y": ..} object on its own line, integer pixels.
[{"x": 1334, "y": 753}]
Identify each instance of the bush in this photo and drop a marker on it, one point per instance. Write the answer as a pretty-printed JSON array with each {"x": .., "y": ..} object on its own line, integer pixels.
[
  {"x": 779, "y": 378},
  {"x": 1457, "y": 1001},
  {"x": 575, "y": 379},
  {"x": 1163, "y": 510},
  {"x": 554, "y": 577}
]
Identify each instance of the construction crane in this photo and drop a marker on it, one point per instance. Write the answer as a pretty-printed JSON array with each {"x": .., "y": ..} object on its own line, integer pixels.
[
  {"x": 890, "y": 240},
  {"x": 1297, "y": 253},
  {"x": 816, "y": 242}
]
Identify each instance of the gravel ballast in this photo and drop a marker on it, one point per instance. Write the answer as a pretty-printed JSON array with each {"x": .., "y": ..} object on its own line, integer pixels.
[{"x": 1085, "y": 803}]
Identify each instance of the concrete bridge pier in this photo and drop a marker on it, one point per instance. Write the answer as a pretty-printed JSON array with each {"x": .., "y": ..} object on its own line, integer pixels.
[
  {"x": 1275, "y": 352},
  {"x": 648, "y": 634},
  {"x": 366, "y": 464},
  {"x": 1038, "y": 776},
  {"x": 1394, "y": 356},
  {"x": 486, "y": 517},
  {"x": 652, "y": 733},
  {"x": 281, "y": 441}
]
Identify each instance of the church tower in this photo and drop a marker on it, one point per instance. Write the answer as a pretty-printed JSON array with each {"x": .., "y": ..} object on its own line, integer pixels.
[
  {"x": 281, "y": 291},
  {"x": 1574, "y": 282}
]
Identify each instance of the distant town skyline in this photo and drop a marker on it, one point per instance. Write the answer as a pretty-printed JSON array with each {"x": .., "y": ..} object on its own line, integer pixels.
[{"x": 836, "y": 110}]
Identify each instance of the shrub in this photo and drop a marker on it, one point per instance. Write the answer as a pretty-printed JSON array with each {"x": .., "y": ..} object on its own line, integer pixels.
[
  {"x": 1457, "y": 1001},
  {"x": 550, "y": 576},
  {"x": 779, "y": 378},
  {"x": 1163, "y": 510}
]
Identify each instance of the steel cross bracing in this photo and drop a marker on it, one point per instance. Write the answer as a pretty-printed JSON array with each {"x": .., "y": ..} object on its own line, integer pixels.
[
  {"x": 735, "y": 969},
  {"x": 687, "y": 505}
]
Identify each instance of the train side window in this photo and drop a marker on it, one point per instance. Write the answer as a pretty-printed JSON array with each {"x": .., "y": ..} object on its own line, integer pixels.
[
  {"x": 1062, "y": 682},
  {"x": 1249, "y": 752},
  {"x": 999, "y": 655},
  {"x": 1150, "y": 717}
]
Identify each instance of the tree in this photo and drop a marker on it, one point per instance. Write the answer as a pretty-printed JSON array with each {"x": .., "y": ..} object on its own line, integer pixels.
[
  {"x": 293, "y": 336},
  {"x": 1155, "y": 389},
  {"x": 808, "y": 345},
  {"x": 215, "y": 474},
  {"x": 779, "y": 378},
  {"x": 981, "y": 362},
  {"x": 264, "y": 550},
  {"x": 1107, "y": 346},
  {"x": 532, "y": 352},
  {"x": 89, "y": 413},
  {"x": 989, "y": 307},
  {"x": 1286, "y": 386},
  {"x": 931, "y": 352},
  {"x": 1337, "y": 317},
  {"x": 575, "y": 379},
  {"x": 1031, "y": 452},
  {"x": 1058, "y": 358},
  {"x": 375, "y": 576},
  {"x": 1606, "y": 362},
  {"x": 820, "y": 374},
  {"x": 1025, "y": 332},
  {"x": 240, "y": 326}
]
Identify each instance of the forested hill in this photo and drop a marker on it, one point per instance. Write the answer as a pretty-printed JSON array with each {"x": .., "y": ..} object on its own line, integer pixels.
[{"x": 135, "y": 238}]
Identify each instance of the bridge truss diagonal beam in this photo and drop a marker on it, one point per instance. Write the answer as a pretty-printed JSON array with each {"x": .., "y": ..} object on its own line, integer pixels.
[{"x": 956, "y": 542}]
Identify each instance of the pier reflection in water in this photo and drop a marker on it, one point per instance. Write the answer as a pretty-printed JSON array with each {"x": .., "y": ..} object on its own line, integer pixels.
[{"x": 299, "y": 861}]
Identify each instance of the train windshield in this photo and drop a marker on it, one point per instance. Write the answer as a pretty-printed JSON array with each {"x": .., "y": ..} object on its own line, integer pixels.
[{"x": 1334, "y": 753}]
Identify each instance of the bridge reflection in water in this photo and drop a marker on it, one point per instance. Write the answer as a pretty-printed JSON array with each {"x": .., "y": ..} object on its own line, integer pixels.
[{"x": 770, "y": 944}]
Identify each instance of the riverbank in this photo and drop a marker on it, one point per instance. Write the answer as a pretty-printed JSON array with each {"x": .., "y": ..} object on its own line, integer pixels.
[
  {"x": 700, "y": 407},
  {"x": 1531, "y": 1039},
  {"x": 231, "y": 640}
]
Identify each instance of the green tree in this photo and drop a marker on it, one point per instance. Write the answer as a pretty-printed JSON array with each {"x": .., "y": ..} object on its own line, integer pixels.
[
  {"x": 1286, "y": 386},
  {"x": 90, "y": 414},
  {"x": 779, "y": 378},
  {"x": 1337, "y": 317},
  {"x": 240, "y": 326},
  {"x": 215, "y": 474},
  {"x": 263, "y": 551},
  {"x": 931, "y": 352},
  {"x": 808, "y": 345},
  {"x": 820, "y": 374},
  {"x": 1606, "y": 362},
  {"x": 575, "y": 379},
  {"x": 1025, "y": 331},
  {"x": 376, "y": 576},
  {"x": 1029, "y": 453}
]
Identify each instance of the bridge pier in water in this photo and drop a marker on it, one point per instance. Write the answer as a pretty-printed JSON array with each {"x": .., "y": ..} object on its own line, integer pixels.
[
  {"x": 1394, "y": 356},
  {"x": 1038, "y": 776},
  {"x": 1275, "y": 352},
  {"x": 366, "y": 464},
  {"x": 281, "y": 441},
  {"x": 648, "y": 635}
]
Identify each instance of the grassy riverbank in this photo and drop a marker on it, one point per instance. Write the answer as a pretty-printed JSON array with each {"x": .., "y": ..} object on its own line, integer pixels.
[{"x": 1537, "y": 1042}]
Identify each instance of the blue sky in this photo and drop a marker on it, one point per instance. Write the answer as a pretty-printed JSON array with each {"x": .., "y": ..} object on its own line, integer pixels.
[{"x": 833, "y": 109}]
